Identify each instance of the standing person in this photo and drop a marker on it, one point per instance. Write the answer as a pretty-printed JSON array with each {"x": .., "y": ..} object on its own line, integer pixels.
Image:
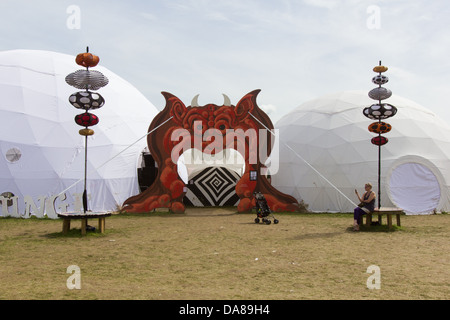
[{"x": 367, "y": 205}]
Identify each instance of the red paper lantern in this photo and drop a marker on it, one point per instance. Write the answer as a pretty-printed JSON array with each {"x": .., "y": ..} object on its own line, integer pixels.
[
  {"x": 379, "y": 141},
  {"x": 86, "y": 119}
]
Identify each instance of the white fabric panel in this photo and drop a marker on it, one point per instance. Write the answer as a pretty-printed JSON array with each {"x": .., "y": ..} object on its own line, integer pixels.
[
  {"x": 193, "y": 161},
  {"x": 415, "y": 188}
]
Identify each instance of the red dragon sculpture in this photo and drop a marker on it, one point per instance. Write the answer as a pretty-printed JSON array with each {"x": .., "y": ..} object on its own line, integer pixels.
[{"x": 189, "y": 127}]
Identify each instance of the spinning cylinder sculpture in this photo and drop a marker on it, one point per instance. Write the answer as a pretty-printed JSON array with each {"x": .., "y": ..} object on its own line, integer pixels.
[
  {"x": 86, "y": 100},
  {"x": 380, "y": 111}
]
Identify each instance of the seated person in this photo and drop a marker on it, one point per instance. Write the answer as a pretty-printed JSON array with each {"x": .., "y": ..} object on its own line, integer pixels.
[{"x": 367, "y": 205}]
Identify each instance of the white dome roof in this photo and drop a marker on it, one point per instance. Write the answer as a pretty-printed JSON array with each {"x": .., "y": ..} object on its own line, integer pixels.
[
  {"x": 37, "y": 124},
  {"x": 331, "y": 134}
]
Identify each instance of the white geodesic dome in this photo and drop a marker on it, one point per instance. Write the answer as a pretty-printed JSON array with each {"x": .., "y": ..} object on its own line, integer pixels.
[
  {"x": 42, "y": 153},
  {"x": 325, "y": 153}
]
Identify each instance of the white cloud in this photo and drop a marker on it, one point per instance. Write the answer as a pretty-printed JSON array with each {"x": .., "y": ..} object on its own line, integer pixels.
[
  {"x": 328, "y": 4},
  {"x": 269, "y": 108},
  {"x": 148, "y": 16}
]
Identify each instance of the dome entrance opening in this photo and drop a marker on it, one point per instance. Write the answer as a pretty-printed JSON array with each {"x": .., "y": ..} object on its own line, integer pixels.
[{"x": 414, "y": 188}]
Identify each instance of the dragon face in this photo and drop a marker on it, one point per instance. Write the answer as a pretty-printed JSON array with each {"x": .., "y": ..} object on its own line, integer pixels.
[{"x": 206, "y": 127}]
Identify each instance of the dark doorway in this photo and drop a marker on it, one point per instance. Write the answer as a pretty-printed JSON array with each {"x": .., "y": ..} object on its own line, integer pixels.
[{"x": 148, "y": 171}]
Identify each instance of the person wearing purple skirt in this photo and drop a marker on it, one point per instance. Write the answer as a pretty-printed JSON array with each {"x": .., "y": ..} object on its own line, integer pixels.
[{"x": 367, "y": 205}]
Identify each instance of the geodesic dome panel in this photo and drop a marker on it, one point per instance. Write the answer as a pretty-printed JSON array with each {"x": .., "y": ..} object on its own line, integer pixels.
[
  {"x": 42, "y": 153},
  {"x": 330, "y": 133}
]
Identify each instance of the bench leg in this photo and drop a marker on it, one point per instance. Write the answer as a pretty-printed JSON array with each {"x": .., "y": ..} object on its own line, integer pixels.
[
  {"x": 380, "y": 220},
  {"x": 83, "y": 226},
  {"x": 368, "y": 219},
  {"x": 101, "y": 224},
  {"x": 66, "y": 226},
  {"x": 398, "y": 220},
  {"x": 389, "y": 219}
]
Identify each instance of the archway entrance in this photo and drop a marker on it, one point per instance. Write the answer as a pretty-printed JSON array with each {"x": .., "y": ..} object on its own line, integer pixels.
[
  {"x": 211, "y": 179},
  {"x": 209, "y": 128}
]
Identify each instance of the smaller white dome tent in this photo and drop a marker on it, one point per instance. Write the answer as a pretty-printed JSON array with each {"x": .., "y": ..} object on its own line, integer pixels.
[
  {"x": 42, "y": 153},
  {"x": 331, "y": 134}
]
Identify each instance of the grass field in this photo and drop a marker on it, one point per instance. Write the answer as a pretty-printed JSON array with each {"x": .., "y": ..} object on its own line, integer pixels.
[{"x": 215, "y": 253}]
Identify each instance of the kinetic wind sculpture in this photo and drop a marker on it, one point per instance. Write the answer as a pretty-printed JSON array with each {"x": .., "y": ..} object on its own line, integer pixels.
[
  {"x": 380, "y": 111},
  {"x": 86, "y": 100}
]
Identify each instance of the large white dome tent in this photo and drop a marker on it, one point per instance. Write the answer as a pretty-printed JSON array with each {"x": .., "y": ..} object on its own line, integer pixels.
[
  {"x": 42, "y": 153},
  {"x": 331, "y": 134}
]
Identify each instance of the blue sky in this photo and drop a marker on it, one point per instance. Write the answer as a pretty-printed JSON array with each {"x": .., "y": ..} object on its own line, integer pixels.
[{"x": 294, "y": 50}]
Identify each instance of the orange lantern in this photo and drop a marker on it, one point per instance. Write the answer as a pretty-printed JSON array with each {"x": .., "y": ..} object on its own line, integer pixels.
[
  {"x": 380, "y": 127},
  {"x": 87, "y": 59},
  {"x": 380, "y": 69},
  {"x": 86, "y": 132}
]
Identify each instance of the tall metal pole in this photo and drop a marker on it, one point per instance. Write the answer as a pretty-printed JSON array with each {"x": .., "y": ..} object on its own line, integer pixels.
[
  {"x": 85, "y": 200},
  {"x": 379, "y": 158},
  {"x": 380, "y": 111},
  {"x": 85, "y": 100},
  {"x": 379, "y": 173},
  {"x": 85, "y": 203}
]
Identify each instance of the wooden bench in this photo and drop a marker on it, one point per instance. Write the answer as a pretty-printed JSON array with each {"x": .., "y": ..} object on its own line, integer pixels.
[
  {"x": 84, "y": 219},
  {"x": 388, "y": 212}
]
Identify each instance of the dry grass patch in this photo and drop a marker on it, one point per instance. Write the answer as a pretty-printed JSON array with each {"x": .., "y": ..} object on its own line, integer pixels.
[{"x": 215, "y": 253}]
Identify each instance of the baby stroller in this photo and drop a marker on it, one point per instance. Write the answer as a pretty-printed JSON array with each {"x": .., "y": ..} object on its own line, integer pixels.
[{"x": 263, "y": 210}]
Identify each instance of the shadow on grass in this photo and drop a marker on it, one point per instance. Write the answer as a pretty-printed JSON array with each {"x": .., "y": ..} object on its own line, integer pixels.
[
  {"x": 147, "y": 214},
  {"x": 323, "y": 235},
  {"x": 76, "y": 233},
  {"x": 168, "y": 214},
  {"x": 376, "y": 228}
]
